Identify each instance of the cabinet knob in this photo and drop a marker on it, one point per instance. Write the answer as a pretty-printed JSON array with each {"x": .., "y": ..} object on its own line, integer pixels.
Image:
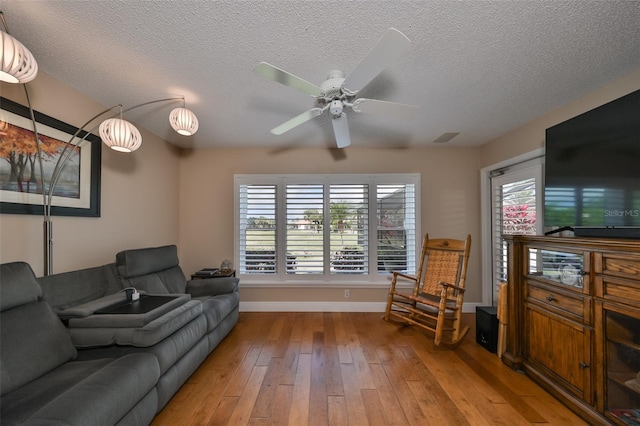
[
  {"x": 549, "y": 299},
  {"x": 584, "y": 365}
]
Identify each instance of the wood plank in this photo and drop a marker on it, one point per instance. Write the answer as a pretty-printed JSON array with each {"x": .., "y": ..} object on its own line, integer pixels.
[
  {"x": 430, "y": 407},
  {"x": 342, "y": 342},
  {"x": 356, "y": 413},
  {"x": 373, "y": 407},
  {"x": 223, "y": 411},
  {"x": 337, "y": 410},
  {"x": 264, "y": 402},
  {"x": 332, "y": 372},
  {"x": 242, "y": 411},
  {"x": 299, "y": 414},
  {"x": 318, "y": 408},
  {"x": 393, "y": 411},
  {"x": 243, "y": 372}
]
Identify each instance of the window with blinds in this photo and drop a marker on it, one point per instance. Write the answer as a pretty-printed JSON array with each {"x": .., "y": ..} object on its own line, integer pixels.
[
  {"x": 395, "y": 208},
  {"x": 257, "y": 232},
  {"x": 305, "y": 227},
  {"x": 516, "y": 198},
  {"x": 326, "y": 226},
  {"x": 349, "y": 228}
]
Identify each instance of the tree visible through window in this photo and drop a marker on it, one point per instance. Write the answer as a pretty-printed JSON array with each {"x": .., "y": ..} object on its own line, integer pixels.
[{"x": 515, "y": 203}]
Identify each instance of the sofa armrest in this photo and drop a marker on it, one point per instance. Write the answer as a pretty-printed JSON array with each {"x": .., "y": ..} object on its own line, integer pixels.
[{"x": 212, "y": 286}]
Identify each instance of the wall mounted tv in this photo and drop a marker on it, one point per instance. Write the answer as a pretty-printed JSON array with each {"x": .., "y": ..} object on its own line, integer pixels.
[{"x": 592, "y": 171}]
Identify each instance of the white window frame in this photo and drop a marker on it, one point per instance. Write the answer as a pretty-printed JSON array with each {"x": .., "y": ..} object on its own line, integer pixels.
[
  {"x": 371, "y": 279},
  {"x": 485, "y": 215}
]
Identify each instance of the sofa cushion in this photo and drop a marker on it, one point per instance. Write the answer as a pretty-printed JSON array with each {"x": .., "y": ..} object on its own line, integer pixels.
[
  {"x": 154, "y": 270},
  {"x": 19, "y": 285},
  {"x": 136, "y": 262},
  {"x": 74, "y": 288},
  {"x": 98, "y": 392},
  {"x": 168, "y": 281},
  {"x": 34, "y": 340},
  {"x": 168, "y": 351},
  {"x": 217, "y": 308}
]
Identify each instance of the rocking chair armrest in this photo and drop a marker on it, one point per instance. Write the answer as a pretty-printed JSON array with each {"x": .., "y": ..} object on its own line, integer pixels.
[
  {"x": 394, "y": 280},
  {"x": 400, "y": 274},
  {"x": 447, "y": 285}
]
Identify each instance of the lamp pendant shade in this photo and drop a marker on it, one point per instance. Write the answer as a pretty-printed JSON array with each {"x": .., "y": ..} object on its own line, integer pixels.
[
  {"x": 17, "y": 64},
  {"x": 183, "y": 121},
  {"x": 120, "y": 135}
]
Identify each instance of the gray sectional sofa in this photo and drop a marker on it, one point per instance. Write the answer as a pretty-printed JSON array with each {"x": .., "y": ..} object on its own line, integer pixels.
[{"x": 70, "y": 355}]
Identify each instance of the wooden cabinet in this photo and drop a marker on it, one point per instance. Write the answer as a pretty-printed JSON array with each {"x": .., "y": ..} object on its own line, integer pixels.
[{"x": 574, "y": 322}]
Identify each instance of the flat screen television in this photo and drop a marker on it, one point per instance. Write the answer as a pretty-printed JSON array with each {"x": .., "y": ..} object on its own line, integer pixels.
[{"x": 592, "y": 171}]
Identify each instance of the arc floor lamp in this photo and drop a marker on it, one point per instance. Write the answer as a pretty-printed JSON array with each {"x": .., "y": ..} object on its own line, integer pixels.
[{"x": 18, "y": 65}]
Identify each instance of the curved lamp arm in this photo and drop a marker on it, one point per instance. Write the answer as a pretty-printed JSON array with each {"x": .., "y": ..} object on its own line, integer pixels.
[{"x": 64, "y": 157}]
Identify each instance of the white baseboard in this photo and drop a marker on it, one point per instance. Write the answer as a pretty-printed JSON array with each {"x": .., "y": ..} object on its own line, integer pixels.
[{"x": 327, "y": 307}]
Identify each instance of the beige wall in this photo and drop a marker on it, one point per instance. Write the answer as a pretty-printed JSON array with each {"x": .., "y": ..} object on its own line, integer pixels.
[
  {"x": 530, "y": 136},
  {"x": 139, "y": 193},
  {"x": 450, "y": 203}
]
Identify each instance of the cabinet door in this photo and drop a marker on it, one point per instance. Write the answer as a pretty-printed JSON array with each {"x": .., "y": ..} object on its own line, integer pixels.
[
  {"x": 621, "y": 334},
  {"x": 560, "y": 348}
]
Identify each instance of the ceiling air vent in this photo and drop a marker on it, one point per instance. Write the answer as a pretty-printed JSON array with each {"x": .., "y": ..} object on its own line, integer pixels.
[{"x": 446, "y": 137}]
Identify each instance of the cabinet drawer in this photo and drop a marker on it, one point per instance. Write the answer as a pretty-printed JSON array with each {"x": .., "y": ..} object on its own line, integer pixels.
[
  {"x": 574, "y": 306},
  {"x": 618, "y": 289},
  {"x": 620, "y": 265}
]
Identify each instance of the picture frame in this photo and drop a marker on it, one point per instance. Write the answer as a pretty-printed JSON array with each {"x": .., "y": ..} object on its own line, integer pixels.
[{"x": 77, "y": 192}]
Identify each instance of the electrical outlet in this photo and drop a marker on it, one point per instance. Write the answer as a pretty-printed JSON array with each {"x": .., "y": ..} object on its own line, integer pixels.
[{"x": 347, "y": 294}]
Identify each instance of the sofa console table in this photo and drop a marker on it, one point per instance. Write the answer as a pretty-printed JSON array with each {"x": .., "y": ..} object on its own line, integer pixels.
[
  {"x": 114, "y": 320},
  {"x": 143, "y": 305},
  {"x": 213, "y": 273},
  {"x": 574, "y": 322}
]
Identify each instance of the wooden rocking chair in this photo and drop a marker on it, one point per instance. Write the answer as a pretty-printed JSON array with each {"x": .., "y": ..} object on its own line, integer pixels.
[{"x": 435, "y": 303}]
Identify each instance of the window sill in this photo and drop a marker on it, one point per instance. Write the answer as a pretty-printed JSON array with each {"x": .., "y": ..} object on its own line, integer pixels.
[{"x": 247, "y": 283}]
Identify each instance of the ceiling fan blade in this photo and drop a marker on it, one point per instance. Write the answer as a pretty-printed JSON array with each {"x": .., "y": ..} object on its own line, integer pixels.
[
  {"x": 374, "y": 106},
  {"x": 297, "y": 120},
  {"x": 341, "y": 130},
  {"x": 389, "y": 48},
  {"x": 270, "y": 72}
]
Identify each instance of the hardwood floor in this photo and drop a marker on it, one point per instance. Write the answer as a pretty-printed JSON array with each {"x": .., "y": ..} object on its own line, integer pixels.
[{"x": 354, "y": 369}]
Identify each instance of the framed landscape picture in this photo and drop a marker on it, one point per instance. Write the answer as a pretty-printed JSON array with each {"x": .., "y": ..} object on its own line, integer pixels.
[{"x": 77, "y": 191}]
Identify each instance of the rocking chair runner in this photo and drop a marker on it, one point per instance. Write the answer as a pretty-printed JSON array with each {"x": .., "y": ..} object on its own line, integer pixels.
[{"x": 435, "y": 303}]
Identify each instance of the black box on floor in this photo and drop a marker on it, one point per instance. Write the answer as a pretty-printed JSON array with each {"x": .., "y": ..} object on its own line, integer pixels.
[{"x": 487, "y": 327}]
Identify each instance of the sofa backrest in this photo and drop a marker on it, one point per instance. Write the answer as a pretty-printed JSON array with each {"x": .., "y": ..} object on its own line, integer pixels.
[
  {"x": 155, "y": 270},
  {"x": 74, "y": 288},
  {"x": 34, "y": 340}
]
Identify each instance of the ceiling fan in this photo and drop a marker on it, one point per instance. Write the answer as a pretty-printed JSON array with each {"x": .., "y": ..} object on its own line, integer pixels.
[{"x": 338, "y": 93}]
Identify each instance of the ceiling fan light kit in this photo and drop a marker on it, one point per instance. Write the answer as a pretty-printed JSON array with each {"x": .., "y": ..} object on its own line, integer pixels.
[{"x": 338, "y": 93}]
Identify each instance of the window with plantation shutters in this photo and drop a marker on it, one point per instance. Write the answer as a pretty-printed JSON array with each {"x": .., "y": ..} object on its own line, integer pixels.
[
  {"x": 349, "y": 228},
  {"x": 395, "y": 209},
  {"x": 516, "y": 198},
  {"x": 326, "y": 228},
  {"x": 257, "y": 232},
  {"x": 305, "y": 227}
]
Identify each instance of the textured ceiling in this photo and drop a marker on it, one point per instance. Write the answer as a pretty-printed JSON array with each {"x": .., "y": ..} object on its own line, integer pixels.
[{"x": 478, "y": 68}]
